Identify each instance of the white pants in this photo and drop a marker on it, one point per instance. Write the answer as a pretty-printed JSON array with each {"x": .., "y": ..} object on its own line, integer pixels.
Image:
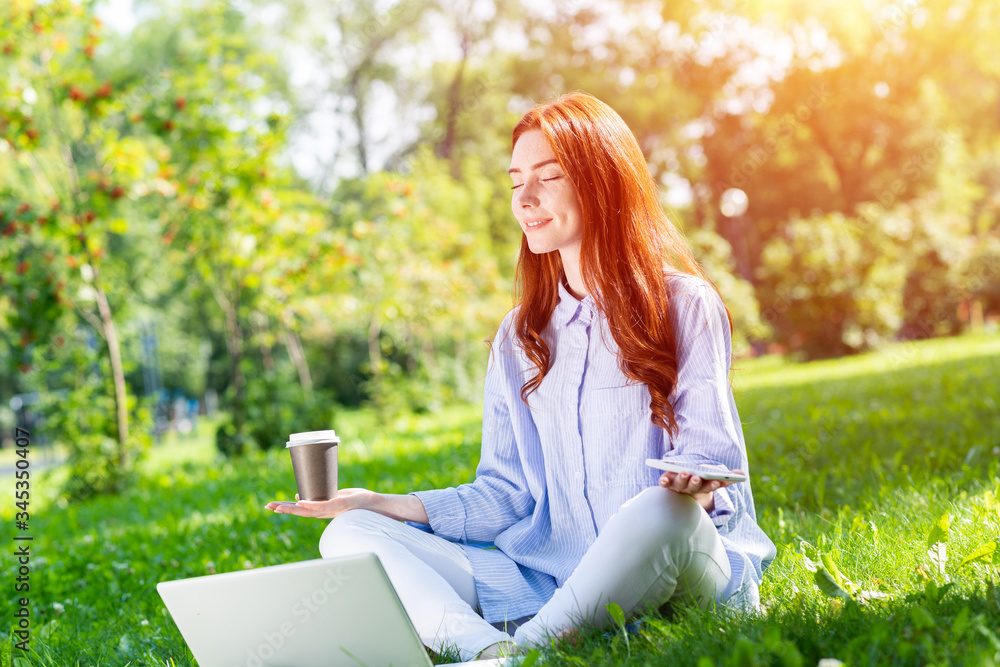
[{"x": 659, "y": 546}]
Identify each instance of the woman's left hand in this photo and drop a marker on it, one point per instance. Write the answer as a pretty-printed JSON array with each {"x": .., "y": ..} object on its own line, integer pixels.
[{"x": 702, "y": 490}]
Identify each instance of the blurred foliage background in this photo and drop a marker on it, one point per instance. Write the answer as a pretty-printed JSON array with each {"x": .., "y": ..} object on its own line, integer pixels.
[{"x": 273, "y": 209}]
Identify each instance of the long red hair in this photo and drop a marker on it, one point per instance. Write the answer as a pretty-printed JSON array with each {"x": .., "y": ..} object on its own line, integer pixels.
[{"x": 628, "y": 242}]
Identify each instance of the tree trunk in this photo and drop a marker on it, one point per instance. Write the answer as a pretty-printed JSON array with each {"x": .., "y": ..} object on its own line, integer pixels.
[
  {"x": 374, "y": 353},
  {"x": 447, "y": 147},
  {"x": 258, "y": 322},
  {"x": 117, "y": 372},
  {"x": 358, "y": 114},
  {"x": 295, "y": 352},
  {"x": 234, "y": 345}
]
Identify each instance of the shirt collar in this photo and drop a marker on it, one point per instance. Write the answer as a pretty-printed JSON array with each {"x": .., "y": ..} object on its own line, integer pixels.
[{"x": 570, "y": 308}]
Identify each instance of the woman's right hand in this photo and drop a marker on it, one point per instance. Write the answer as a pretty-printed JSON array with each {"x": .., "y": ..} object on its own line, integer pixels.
[
  {"x": 346, "y": 499},
  {"x": 400, "y": 507}
]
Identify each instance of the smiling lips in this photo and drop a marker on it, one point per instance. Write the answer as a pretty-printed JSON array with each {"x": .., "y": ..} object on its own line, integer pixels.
[{"x": 535, "y": 223}]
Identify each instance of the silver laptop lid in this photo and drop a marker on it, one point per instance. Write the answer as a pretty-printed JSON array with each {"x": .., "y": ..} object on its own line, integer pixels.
[{"x": 324, "y": 612}]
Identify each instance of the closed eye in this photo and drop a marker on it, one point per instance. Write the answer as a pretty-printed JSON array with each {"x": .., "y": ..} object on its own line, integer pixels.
[{"x": 553, "y": 178}]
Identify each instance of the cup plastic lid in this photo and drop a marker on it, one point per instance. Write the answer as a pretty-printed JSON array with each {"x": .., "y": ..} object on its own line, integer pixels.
[{"x": 309, "y": 437}]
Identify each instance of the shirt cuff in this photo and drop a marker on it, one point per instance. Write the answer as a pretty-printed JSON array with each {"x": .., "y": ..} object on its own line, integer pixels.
[
  {"x": 445, "y": 512},
  {"x": 724, "y": 507}
]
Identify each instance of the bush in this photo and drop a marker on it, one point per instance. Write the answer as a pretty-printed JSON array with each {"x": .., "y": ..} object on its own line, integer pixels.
[
  {"x": 833, "y": 285},
  {"x": 276, "y": 406},
  {"x": 85, "y": 420},
  {"x": 80, "y": 412}
]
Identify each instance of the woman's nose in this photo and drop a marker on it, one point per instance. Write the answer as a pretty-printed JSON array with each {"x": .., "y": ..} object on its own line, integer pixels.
[{"x": 526, "y": 196}]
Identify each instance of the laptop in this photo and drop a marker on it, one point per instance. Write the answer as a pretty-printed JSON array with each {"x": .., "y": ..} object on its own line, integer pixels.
[{"x": 315, "y": 613}]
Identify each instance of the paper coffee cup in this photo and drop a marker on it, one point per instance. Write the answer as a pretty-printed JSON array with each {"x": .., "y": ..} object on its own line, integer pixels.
[{"x": 314, "y": 461}]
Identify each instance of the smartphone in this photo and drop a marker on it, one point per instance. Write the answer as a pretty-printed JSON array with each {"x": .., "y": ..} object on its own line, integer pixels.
[{"x": 701, "y": 471}]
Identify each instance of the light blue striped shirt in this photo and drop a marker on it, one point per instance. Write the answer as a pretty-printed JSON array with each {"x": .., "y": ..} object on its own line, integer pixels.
[{"x": 550, "y": 476}]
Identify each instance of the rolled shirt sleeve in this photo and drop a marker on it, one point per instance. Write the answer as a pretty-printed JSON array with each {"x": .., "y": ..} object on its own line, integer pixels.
[{"x": 708, "y": 426}]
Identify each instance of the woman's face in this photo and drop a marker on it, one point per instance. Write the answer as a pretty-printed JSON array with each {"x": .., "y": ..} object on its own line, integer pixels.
[{"x": 544, "y": 201}]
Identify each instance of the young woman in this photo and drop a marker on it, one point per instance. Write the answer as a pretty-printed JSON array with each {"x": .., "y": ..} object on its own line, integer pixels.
[{"x": 618, "y": 351}]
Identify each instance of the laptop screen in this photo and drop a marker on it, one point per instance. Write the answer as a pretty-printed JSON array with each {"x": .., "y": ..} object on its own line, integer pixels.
[{"x": 323, "y": 612}]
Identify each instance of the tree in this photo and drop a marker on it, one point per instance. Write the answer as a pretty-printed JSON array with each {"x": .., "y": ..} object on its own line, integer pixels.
[
  {"x": 234, "y": 218},
  {"x": 423, "y": 278},
  {"x": 75, "y": 173}
]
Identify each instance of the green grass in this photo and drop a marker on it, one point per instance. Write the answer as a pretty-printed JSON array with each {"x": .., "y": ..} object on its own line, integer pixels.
[{"x": 854, "y": 463}]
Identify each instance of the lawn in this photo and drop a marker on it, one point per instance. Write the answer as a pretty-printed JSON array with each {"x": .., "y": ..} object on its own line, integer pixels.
[{"x": 877, "y": 476}]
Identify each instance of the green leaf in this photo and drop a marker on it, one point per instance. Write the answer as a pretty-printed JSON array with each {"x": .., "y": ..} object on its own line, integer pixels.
[
  {"x": 616, "y": 613},
  {"x": 985, "y": 551},
  {"x": 990, "y": 635},
  {"x": 828, "y": 584},
  {"x": 934, "y": 593},
  {"x": 831, "y": 567},
  {"x": 619, "y": 616},
  {"x": 921, "y": 618},
  {"x": 961, "y": 623},
  {"x": 939, "y": 533},
  {"x": 531, "y": 658}
]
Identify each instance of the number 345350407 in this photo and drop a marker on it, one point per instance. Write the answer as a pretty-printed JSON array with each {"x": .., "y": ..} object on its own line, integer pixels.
[{"x": 22, "y": 490}]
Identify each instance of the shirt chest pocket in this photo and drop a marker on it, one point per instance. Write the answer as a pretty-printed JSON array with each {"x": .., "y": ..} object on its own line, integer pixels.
[{"x": 620, "y": 400}]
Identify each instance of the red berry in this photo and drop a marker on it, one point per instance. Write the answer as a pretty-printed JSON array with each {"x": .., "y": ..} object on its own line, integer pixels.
[
  {"x": 32, "y": 133},
  {"x": 118, "y": 192},
  {"x": 180, "y": 103},
  {"x": 22, "y": 268},
  {"x": 23, "y": 208},
  {"x": 76, "y": 94},
  {"x": 89, "y": 217},
  {"x": 104, "y": 90},
  {"x": 168, "y": 125}
]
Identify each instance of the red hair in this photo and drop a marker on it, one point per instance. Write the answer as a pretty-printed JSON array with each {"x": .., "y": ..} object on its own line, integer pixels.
[{"x": 627, "y": 244}]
